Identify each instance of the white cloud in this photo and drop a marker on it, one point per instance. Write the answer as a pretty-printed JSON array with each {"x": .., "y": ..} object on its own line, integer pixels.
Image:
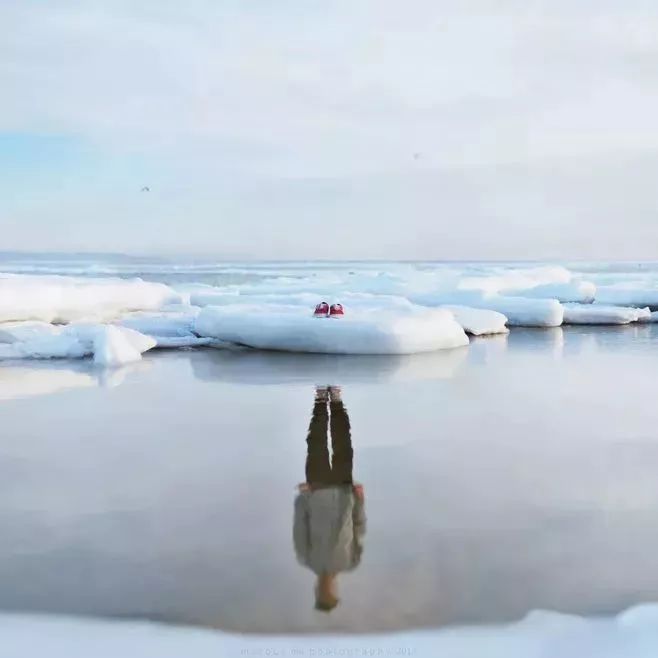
[
  {"x": 348, "y": 91},
  {"x": 334, "y": 87}
]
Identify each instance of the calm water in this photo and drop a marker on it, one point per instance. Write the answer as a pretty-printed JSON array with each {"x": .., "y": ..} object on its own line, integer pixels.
[{"x": 519, "y": 473}]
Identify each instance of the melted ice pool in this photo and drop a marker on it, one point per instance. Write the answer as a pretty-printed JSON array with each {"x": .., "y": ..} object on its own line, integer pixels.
[{"x": 517, "y": 474}]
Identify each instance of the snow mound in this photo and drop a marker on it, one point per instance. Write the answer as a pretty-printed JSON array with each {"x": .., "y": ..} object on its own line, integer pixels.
[
  {"x": 66, "y": 299},
  {"x": 603, "y": 314},
  {"x": 389, "y": 332}
]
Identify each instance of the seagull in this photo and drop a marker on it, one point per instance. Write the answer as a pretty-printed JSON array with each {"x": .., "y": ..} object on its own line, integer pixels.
[{"x": 146, "y": 189}]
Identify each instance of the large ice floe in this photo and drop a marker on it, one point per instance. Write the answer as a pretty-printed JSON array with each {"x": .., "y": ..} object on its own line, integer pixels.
[
  {"x": 632, "y": 634},
  {"x": 386, "y": 332},
  {"x": 391, "y": 309}
]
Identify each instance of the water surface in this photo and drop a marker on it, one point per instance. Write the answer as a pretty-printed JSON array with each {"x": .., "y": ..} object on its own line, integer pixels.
[{"x": 516, "y": 474}]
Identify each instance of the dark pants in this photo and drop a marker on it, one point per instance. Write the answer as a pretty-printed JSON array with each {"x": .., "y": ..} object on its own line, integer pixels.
[{"x": 319, "y": 469}]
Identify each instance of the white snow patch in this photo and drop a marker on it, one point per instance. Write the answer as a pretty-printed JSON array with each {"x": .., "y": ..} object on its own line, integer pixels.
[
  {"x": 389, "y": 332},
  {"x": 634, "y": 634}
]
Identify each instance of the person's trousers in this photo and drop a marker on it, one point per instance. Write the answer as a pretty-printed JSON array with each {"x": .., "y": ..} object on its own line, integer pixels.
[{"x": 320, "y": 469}]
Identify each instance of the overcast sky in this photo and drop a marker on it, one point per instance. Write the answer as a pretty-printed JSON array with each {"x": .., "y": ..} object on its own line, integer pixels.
[{"x": 334, "y": 128}]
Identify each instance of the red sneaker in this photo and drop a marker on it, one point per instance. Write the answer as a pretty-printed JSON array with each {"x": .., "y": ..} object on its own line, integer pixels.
[
  {"x": 336, "y": 311},
  {"x": 321, "y": 310}
]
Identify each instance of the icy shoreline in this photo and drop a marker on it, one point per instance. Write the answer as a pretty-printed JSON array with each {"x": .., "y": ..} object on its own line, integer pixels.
[
  {"x": 632, "y": 634},
  {"x": 403, "y": 311}
]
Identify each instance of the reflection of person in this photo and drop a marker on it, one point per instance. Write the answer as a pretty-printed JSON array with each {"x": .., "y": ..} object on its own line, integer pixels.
[{"x": 329, "y": 511}]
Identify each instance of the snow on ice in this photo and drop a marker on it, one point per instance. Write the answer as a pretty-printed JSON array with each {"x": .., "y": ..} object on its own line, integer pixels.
[{"x": 394, "y": 309}]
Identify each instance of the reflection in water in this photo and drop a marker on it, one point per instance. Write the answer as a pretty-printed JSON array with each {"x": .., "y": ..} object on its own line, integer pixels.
[
  {"x": 34, "y": 378},
  {"x": 528, "y": 481},
  {"x": 329, "y": 521},
  {"x": 261, "y": 367}
]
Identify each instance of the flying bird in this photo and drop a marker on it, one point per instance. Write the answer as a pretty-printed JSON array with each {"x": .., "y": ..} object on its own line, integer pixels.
[{"x": 146, "y": 189}]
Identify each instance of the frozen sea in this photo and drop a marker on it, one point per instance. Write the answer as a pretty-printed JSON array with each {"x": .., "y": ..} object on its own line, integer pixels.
[{"x": 513, "y": 475}]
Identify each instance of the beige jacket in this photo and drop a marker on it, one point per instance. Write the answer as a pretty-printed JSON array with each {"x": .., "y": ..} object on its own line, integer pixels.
[{"x": 328, "y": 529}]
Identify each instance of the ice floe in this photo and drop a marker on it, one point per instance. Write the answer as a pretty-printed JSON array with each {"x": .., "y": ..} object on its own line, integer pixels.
[
  {"x": 115, "y": 346},
  {"x": 628, "y": 296},
  {"x": 582, "y": 292},
  {"x": 169, "y": 323},
  {"x": 603, "y": 314},
  {"x": 524, "y": 312},
  {"x": 421, "y": 330},
  {"x": 391, "y": 308},
  {"x": 109, "y": 345},
  {"x": 479, "y": 322}
]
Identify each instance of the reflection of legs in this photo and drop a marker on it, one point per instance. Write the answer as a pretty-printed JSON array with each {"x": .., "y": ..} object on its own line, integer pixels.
[
  {"x": 341, "y": 443},
  {"x": 318, "y": 470}
]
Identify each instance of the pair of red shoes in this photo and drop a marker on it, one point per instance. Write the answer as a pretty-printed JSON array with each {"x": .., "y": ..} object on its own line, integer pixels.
[{"x": 323, "y": 310}]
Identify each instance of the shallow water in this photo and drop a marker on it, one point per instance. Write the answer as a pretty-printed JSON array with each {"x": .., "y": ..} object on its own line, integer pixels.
[{"x": 516, "y": 474}]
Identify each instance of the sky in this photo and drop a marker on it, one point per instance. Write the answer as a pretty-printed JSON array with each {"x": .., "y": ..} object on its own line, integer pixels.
[{"x": 423, "y": 129}]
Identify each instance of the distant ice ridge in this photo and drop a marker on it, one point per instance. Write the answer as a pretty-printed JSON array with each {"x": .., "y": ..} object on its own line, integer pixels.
[
  {"x": 633, "y": 634},
  {"x": 63, "y": 299},
  {"x": 403, "y": 309}
]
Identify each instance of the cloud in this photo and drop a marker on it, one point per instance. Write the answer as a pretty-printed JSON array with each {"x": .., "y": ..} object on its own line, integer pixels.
[
  {"x": 358, "y": 112},
  {"x": 339, "y": 88}
]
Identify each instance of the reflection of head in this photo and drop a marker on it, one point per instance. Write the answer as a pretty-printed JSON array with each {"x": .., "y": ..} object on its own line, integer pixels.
[{"x": 325, "y": 592}]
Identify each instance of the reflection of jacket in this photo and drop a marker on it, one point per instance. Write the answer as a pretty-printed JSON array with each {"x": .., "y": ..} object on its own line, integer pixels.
[{"x": 328, "y": 529}]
